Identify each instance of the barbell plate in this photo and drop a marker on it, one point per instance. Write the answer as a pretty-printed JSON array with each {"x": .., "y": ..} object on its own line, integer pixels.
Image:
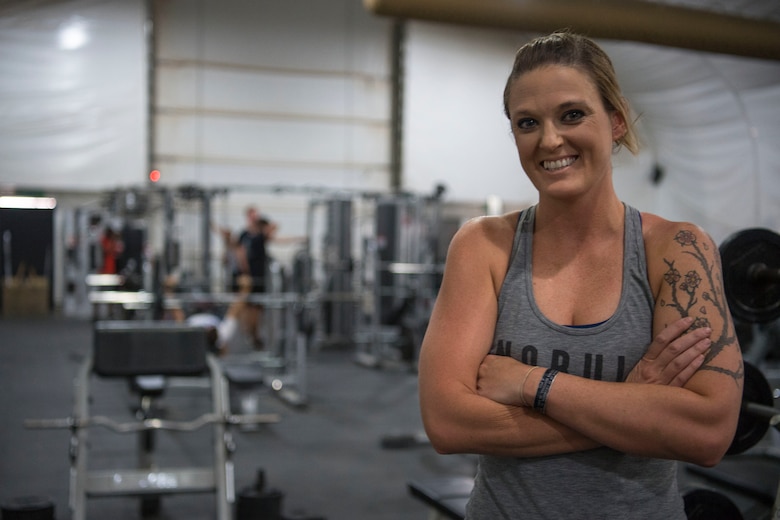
[
  {"x": 707, "y": 504},
  {"x": 752, "y": 428},
  {"x": 749, "y": 300}
]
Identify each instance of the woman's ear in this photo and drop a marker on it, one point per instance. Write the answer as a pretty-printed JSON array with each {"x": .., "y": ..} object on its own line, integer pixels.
[{"x": 618, "y": 127}]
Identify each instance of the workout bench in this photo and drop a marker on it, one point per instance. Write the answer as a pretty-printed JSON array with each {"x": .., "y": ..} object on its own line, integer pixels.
[
  {"x": 136, "y": 350},
  {"x": 445, "y": 496}
]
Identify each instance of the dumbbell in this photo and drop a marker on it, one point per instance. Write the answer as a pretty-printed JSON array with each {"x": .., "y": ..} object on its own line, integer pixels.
[{"x": 751, "y": 274}]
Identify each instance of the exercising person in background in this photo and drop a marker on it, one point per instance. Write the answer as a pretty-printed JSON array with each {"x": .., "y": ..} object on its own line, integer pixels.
[
  {"x": 111, "y": 246},
  {"x": 580, "y": 347},
  {"x": 222, "y": 332},
  {"x": 253, "y": 261},
  {"x": 231, "y": 251}
]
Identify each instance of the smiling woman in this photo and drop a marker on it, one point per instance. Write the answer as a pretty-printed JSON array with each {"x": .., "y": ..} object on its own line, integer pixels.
[
  {"x": 577, "y": 285},
  {"x": 561, "y": 126}
]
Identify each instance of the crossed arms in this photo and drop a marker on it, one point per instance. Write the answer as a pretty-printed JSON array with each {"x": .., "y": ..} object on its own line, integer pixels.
[{"x": 681, "y": 402}]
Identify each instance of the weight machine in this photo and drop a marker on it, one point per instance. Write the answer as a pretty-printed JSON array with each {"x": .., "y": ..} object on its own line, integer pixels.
[
  {"x": 327, "y": 271},
  {"x": 403, "y": 269},
  {"x": 372, "y": 266}
]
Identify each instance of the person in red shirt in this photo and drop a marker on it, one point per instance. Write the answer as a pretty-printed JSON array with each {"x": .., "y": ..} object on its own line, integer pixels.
[{"x": 111, "y": 244}]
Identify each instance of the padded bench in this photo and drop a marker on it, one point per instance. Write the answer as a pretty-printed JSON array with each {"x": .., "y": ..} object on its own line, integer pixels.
[
  {"x": 445, "y": 496},
  {"x": 133, "y": 348}
]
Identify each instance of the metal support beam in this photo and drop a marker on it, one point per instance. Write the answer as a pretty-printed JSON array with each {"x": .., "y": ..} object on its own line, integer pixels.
[
  {"x": 629, "y": 20},
  {"x": 397, "y": 107}
]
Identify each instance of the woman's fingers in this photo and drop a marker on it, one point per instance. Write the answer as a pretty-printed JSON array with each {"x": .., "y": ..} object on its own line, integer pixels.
[
  {"x": 662, "y": 341},
  {"x": 687, "y": 364},
  {"x": 674, "y": 356}
]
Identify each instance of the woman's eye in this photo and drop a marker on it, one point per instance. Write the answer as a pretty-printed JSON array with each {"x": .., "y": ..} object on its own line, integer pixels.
[
  {"x": 573, "y": 115},
  {"x": 525, "y": 123}
]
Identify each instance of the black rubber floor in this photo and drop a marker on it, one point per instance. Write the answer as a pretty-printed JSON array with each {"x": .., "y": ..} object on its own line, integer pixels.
[{"x": 327, "y": 459}]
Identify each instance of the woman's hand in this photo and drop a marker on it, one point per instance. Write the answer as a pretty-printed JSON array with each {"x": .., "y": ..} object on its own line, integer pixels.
[
  {"x": 673, "y": 356},
  {"x": 500, "y": 378}
]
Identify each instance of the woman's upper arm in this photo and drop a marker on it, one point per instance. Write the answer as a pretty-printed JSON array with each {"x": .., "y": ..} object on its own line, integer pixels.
[
  {"x": 461, "y": 327},
  {"x": 688, "y": 278},
  {"x": 459, "y": 335},
  {"x": 695, "y": 423}
]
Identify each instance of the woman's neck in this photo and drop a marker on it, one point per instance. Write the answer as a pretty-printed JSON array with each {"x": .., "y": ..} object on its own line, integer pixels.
[{"x": 581, "y": 218}]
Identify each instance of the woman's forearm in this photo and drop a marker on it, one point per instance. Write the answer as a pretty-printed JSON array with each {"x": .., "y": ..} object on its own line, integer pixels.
[
  {"x": 463, "y": 422},
  {"x": 690, "y": 424}
]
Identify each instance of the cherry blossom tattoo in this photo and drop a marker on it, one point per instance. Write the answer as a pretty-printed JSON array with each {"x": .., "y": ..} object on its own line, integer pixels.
[{"x": 693, "y": 293}]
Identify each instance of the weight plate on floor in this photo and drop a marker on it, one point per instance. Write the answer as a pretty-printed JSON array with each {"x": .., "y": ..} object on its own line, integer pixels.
[
  {"x": 706, "y": 504},
  {"x": 750, "y": 300},
  {"x": 28, "y": 508}
]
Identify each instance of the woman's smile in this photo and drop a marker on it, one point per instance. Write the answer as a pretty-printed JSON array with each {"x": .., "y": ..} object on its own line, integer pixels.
[{"x": 558, "y": 164}]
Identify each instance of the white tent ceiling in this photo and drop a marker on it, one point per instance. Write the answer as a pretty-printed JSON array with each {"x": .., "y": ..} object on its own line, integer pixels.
[{"x": 712, "y": 122}]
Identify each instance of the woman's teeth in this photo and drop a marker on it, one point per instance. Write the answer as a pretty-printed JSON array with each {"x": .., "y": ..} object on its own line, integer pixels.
[{"x": 557, "y": 165}]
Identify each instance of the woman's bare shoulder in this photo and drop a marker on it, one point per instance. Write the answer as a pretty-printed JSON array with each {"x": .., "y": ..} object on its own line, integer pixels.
[
  {"x": 484, "y": 242},
  {"x": 674, "y": 249},
  {"x": 660, "y": 234},
  {"x": 489, "y": 230}
]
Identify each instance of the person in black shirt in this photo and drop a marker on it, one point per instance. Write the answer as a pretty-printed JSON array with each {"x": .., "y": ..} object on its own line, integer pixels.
[{"x": 252, "y": 261}]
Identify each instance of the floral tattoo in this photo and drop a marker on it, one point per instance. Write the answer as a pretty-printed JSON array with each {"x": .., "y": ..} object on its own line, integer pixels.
[{"x": 695, "y": 292}]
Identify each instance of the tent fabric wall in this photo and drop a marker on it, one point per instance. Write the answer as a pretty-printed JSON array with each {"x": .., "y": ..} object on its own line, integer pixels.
[
  {"x": 73, "y": 117},
  {"x": 264, "y": 93},
  {"x": 711, "y": 125},
  {"x": 455, "y": 132}
]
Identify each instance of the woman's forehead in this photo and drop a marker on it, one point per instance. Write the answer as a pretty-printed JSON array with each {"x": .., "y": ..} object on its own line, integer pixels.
[{"x": 553, "y": 84}]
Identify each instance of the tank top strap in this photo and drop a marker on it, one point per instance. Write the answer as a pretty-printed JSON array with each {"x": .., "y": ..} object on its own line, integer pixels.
[{"x": 523, "y": 234}]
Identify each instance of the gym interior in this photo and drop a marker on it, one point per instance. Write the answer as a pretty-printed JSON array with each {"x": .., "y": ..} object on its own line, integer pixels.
[{"x": 366, "y": 133}]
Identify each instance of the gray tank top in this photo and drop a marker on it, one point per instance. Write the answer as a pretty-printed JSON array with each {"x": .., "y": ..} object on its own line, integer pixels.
[{"x": 596, "y": 484}]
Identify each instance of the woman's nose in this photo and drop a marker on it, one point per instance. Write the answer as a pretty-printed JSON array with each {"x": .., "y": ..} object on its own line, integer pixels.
[{"x": 551, "y": 138}]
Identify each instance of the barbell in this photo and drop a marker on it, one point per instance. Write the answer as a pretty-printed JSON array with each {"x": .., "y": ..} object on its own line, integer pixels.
[
  {"x": 751, "y": 274},
  {"x": 757, "y": 414},
  {"x": 751, "y": 279}
]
